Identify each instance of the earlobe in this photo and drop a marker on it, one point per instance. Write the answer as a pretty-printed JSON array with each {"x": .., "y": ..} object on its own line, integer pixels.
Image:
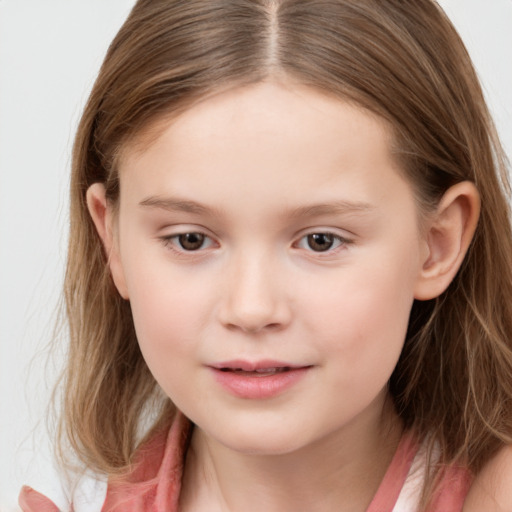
[
  {"x": 101, "y": 214},
  {"x": 448, "y": 235}
]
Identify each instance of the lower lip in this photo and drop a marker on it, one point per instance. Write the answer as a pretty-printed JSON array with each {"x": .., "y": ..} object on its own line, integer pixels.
[{"x": 259, "y": 386}]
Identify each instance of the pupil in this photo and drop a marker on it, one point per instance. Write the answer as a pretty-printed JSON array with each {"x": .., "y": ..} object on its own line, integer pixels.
[
  {"x": 320, "y": 241},
  {"x": 191, "y": 241}
]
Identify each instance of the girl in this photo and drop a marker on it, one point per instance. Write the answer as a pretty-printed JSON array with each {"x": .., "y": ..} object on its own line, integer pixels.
[{"x": 289, "y": 272}]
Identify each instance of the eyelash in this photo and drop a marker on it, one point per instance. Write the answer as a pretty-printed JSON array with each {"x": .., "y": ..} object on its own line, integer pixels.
[
  {"x": 173, "y": 242},
  {"x": 336, "y": 239}
]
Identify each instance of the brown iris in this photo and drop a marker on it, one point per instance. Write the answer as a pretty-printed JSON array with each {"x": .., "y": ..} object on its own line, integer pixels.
[
  {"x": 191, "y": 241},
  {"x": 320, "y": 241}
]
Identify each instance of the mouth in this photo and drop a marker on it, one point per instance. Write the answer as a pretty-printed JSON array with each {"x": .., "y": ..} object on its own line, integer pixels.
[
  {"x": 258, "y": 380},
  {"x": 261, "y": 368},
  {"x": 260, "y": 372}
]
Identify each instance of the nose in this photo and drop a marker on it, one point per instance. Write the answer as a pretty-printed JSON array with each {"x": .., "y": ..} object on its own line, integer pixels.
[{"x": 254, "y": 296}]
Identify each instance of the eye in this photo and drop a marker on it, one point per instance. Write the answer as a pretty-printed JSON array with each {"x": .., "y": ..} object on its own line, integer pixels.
[
  {"x": 188, "y": 242},
  {"x": 321, "y": 242}
]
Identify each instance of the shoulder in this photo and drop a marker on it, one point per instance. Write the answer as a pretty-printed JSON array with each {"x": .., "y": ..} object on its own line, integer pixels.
[{"x": 492, "y": 487}]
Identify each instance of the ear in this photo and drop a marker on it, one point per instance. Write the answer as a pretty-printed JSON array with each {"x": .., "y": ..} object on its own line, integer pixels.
[
  {"x": 103, "y": 218},
  {"x": 447, "y": 237}
]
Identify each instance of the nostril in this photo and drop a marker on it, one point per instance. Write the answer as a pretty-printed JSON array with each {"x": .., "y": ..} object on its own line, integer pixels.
[
  {"x": 261, "y": 327},
  {"x": 254, "y": 316},
  {"x": 254, "y": 329}
]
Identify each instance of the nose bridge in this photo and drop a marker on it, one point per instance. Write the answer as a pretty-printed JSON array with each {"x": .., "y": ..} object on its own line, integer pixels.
[{"x": 254, "y": 298}]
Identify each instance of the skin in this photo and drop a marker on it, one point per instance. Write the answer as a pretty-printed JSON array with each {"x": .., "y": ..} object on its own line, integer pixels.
[
  {"x": 256, "y": 160},
  {"x": 491, "y": 489}
]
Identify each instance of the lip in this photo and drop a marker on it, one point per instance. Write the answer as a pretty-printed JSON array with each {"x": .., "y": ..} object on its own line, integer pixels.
[{"x": 246, "y": 379}]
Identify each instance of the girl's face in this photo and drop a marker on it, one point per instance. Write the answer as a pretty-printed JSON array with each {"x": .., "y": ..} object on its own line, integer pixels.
[{"x": 270, "y": 250}]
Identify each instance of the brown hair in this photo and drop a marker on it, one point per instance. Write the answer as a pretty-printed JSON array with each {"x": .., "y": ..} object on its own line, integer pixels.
[{"x": 402, "y": 60}]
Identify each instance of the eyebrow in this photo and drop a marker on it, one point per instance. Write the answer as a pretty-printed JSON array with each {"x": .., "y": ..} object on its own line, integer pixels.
[
  {"x": 340, "y": 207},
  {"x": 178, "y": 205},
  {"x": 313, "y": 210}
]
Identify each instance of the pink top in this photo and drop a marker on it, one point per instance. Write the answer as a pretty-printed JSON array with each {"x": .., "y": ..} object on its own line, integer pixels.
[{"x": 154, "y": 485}]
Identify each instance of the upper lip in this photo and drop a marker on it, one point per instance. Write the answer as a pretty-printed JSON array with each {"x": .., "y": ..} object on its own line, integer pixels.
[{"x": 251, "y": 366}]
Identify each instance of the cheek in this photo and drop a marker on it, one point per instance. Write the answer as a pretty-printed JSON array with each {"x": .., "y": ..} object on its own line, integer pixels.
[
  {"x": 167, "y": 325},
  {"x": 365, "y": 317},
  {"x": 168, "y": 311},
  {"x": 165, "y": 316},
  {"x": 366, "y": 299}
]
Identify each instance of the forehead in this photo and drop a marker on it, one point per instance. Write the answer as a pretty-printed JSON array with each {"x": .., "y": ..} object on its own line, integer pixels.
[
  {"x": 265, "y": 106},
  {"x": 269, "y": 139}
]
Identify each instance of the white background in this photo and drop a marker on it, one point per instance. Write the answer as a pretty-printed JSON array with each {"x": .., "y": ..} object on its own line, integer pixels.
[{"x": 50, "y": 52}]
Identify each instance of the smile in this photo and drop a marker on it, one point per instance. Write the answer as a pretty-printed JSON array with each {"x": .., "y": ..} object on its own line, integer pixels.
[
  {"x": 257, "y": 380},
  {"x": 261, "y": 372}
]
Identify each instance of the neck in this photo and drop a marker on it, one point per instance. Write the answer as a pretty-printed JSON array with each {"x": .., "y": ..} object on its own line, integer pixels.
[{"x": 340, "y": 471}]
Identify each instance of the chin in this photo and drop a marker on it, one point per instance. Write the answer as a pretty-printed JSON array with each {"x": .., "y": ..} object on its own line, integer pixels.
[{"x": 263, "y": 442}]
